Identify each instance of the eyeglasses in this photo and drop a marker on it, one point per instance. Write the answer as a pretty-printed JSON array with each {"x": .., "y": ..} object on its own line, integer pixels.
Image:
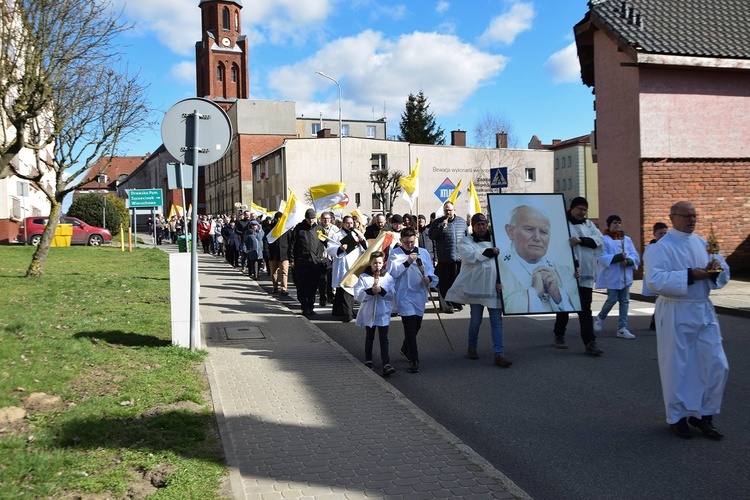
[{"x": 686, "y": 216}]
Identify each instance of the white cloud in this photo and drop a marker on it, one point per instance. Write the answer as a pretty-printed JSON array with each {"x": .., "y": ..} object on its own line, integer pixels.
[
  {"x": 442, "y": 6},
  {"x": 563, "y": 65},
  {"x": 183, "y": 72},
  {"x": 174, "y": 25},
  {"x": 506, "y": 27},
  {"x": 374, "y": 71}
]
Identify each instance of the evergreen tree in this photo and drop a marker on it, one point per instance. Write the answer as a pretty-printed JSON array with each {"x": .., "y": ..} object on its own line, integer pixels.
[
  {"x": 417, "y": 124},
  {"x": 90, "y": 208}
]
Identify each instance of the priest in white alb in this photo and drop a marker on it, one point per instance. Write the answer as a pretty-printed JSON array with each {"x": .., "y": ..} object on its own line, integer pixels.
[{"x": 692, "y": 363}]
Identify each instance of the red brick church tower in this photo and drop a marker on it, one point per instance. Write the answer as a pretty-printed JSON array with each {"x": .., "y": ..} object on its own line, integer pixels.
[{"x": 221, "y": 67}]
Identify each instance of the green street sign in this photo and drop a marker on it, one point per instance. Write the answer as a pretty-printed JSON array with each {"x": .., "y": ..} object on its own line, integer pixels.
[{"x": 145, "y": 198}]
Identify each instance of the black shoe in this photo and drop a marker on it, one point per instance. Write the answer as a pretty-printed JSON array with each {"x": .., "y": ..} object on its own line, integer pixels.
[
  {"x": 346, "y": 319},
  {"x": 681, "y": 428},
  {"x": 652, "y": 326},
  {"x": 458, "y": 307},
  {"x": 368, "y": 364},
  {"x": 322, "y": 303},
  {"x": 284, "y": 293},
  {"x": 388, "y": 370},
  {"x": 706, "y": 425},
  {"x": 404, "y": 351},
  {"x": 593, "y": 349},
  {"x": 502, "y": 361},
  {"x": 413, "y": 366},
  {"x": 472, "y": 353},
  {"x": 560, "y": 342}
]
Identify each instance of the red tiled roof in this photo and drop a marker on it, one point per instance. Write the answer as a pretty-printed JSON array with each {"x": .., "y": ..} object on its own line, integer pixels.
[{"x": 118, "y": 165}]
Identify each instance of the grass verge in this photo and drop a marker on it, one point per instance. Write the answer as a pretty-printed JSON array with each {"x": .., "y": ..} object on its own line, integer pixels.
[{"x": 111, "y": 408}]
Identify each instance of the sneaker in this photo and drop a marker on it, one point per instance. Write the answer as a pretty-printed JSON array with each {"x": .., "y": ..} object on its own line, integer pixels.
[
  {"x": 388, "y": 370},
  {"x": 598, "y": 324},
  {"x": 472, "y": 354},
  {"x": 413, "y": 366},
  {"x": 368, "y": 364},
  {"x": 593, "y": 349},
  {"x": 502, "y": 361},
  {"x": 560, "y": 342},
  {"x": 624, "y": 333}
]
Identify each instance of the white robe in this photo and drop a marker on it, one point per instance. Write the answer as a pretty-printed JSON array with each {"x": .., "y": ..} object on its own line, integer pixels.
[
  {"x": 615, "y": 276},
  {"x": 520, "y": 297},
  {"x": 692, "y": 363},
  {"x": 411, "y": 292},
  {"x": 343, "y": 261},
  {"x": 374, "y": 310},
  {"x": 476, "y": 283}
]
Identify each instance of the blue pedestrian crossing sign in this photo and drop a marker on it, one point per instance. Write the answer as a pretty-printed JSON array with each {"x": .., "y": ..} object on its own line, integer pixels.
[
  {"x": 499, "y": 177},
  {"x": 445, "y": 189}
]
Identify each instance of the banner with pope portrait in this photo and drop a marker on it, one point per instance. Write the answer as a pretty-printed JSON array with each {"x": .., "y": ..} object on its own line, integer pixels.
[{"x": 535, "y": 264}]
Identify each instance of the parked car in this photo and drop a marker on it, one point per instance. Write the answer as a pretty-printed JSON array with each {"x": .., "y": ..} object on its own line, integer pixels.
[{"x": 83, "y": 234}]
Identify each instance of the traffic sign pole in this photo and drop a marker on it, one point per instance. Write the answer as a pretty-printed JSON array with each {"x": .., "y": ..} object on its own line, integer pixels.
[{"x": 194, "y": 233}]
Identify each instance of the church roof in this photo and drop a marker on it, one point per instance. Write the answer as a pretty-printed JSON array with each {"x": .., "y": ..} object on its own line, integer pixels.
[{"x": 236, "y": 2}]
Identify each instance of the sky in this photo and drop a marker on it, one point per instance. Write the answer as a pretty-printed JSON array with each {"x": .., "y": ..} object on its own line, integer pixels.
[{"x": 509, "y": 59}]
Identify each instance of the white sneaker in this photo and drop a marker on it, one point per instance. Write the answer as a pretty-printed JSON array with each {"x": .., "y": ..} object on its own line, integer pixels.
[
  {"x": 624, "y": 333},
  {"x": 598, "y": 324}
]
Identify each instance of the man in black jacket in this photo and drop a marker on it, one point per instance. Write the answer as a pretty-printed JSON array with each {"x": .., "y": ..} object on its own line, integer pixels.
[{"x": 308, "y": 264}]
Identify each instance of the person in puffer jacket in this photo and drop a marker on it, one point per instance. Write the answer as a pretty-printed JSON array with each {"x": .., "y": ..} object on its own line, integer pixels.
[{"x": 446, "y": 232}]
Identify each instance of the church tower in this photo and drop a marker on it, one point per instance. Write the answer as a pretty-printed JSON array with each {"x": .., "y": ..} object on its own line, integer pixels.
[{"x": 221, "y": 66}]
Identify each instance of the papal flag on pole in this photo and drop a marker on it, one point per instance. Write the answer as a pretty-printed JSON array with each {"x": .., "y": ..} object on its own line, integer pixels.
[
  {"x": 262, "y": 212},
  {"x": 294, "y": 212},
  {"x": 474, "y": 206},
  {"x": 326, "y": 196},
  {"x": 410, "y": 185},
  {"x": 384, "y": 241},
  {"x": 452, "y": 198}
]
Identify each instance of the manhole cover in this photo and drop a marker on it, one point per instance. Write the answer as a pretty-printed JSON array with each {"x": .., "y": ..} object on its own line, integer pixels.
[{"x": 243, "y": 332}]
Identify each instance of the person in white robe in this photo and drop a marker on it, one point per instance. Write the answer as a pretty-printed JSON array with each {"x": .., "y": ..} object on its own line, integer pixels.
[
  {"x": 412, "y": 269},
  {"x": 478, "y": 286},
  {"x": 374, "y": 290},
  {"x": 344, "y": 247},
  {"x": 532, "y": 281},
  {"x": 692, "y": 363}
]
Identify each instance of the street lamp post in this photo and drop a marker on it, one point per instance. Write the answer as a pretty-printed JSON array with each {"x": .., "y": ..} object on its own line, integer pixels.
[
  {"x": 341, "y": 129},
  {"x": 102, "y": 178}
]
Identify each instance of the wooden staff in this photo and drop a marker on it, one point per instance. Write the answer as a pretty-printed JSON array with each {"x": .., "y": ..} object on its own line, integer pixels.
[
  {"x": 375, "y": 275},
  {"x": 420, "y": 266}
]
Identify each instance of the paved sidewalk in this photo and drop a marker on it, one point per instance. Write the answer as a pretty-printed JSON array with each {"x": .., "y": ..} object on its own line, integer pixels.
[{"x": 300, "y": 417}]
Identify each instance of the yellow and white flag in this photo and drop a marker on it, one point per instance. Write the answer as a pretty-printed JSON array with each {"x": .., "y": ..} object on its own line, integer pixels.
[
  {"x": 293, "y": 213},
  {"x": 452, "y": 198},
  {"x": 473, "y": 201},
  {"x": 262, "y": 212},
  {"x": 326, "y": 196},
  {"x": 410, "y": 185}
]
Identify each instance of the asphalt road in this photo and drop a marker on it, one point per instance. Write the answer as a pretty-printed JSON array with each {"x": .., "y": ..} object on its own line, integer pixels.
[{"x": 562, "y": 424}]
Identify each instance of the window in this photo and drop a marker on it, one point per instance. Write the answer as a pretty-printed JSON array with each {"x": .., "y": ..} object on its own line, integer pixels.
[
  {"x": 345, "y": 130},
  {"x": 530, "y": 174},
  {"x": 569, "y": 163},
  {"x": 225, "y": 18},
  {"x": 219, "y": 74},
  {"x": 570, "y": 183},
  {"x": 557, "y": 163},
  {"x": 277, "y": 165},
  {"x": 16, "y": 208},
  {"x": 234, "y": 74},
  {"x": 378, "y": 161},
  {"x": 375, "y": 202},
  {"x": 315, "y": 128},
  {"x": 371, "y": 131},
  {"x": 557, "y": 185}
]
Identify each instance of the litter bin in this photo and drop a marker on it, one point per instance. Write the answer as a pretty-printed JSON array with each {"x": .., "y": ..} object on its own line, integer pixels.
[
  {"x": 182, "y": 243},
  {"x": 63, "y": 235}
]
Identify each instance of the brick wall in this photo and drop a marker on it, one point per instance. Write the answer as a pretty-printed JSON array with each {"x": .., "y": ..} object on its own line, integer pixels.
[{"x": 720, "y": 191}]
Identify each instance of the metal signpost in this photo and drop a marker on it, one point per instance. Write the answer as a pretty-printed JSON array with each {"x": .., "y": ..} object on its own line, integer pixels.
[
  {"x": 196, "y": 132},
  {"x": 143, "y": 198},
  {"x": 499, "y": 177}
]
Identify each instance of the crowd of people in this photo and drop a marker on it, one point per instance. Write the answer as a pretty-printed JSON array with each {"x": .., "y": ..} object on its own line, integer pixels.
[{"x": 458, "y": 260}]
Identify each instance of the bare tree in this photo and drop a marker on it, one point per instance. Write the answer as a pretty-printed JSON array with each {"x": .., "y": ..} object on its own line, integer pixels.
[
  {"x": 91, "y": 101},
  {"x": 385, "y": 186}
]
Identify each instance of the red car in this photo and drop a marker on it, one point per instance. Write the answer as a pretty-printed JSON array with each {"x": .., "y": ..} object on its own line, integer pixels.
[{"x": 83, "y": 234}]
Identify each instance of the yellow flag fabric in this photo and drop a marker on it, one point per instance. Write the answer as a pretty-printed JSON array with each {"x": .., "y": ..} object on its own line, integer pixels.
[
  {"x": 410, "y": 185},
  {"x": 175, "y": 210},
  {"x": 262, "y": 212},
  {"x": 456, "y": 191},
  {"x": 385, "y": 240},
  {"x": 293, "y": 214},
  {"x": 474, "y": 206},
  {"x": 325, "y": 196}
]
